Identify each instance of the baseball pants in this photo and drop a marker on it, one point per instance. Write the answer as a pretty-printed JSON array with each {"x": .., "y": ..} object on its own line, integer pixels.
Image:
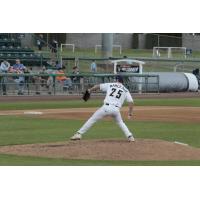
[{"x": 106, "y": 110}]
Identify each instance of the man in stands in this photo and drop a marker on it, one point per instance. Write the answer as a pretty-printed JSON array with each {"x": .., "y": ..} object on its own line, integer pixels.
[
  {"x": 4, "y": 67},
  {"x": 43, "y": 80},
  {"x": 65, "y": 81},
  {"x": 93, "y": 67},
  {"x": 54, "y": 46},
  {"x": 19, "y": 68}
]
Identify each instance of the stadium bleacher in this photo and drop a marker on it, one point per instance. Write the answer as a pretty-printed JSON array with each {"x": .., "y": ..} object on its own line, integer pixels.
[{"x": 11, "y": 49}]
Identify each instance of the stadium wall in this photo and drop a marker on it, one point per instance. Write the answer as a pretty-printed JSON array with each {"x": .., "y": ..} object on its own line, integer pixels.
[
  {"x": 89, "y": 40},
  {"x": 191, "y": 41},
  {"x": 127, "y": 40},
  {"x": 142, "y": 41}
]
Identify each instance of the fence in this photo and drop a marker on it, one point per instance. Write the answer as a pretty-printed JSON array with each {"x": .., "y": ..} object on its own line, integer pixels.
[
  {"x": 43, "y": 84},
  {"x": 169, "y": 65}
]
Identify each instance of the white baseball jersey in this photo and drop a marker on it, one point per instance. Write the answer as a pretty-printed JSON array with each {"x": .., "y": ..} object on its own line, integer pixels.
[{"x": 116, "y": 94}]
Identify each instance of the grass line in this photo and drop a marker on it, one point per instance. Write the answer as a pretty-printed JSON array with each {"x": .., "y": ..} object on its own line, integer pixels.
[
  {"x": 191, "y": 102},
  {"x": 14, "y": 160}
]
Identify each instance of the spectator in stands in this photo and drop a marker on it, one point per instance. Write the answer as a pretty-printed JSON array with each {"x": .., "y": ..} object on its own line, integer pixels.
[
  {"x": 75, "y": 71},
  {"x": 28, "y": 79},
  {"x": 5, "y": 65},
  {"x": 40, "y": 42},
  {"x": 54, "y": 46},
  {"x": 93, "y": 67},
  {"x": 76, "y": 79},
  {"x": 43, "y": 77},
  {"x": 36, "y": 82},
  {"x": 65, "y": 81},
  {"x": 58, "y": 65},
  {"x": 45, "y": 80},
  {"x": 4, "y": 68},
  {"x": 19, "y": 68},
  {"x": 50, "y": 84}
]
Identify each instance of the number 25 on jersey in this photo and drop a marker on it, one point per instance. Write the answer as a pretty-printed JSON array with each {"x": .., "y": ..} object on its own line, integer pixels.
[{"x": 116, "y": 93}]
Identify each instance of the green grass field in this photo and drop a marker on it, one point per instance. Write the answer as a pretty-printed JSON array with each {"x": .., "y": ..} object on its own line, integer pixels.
[
  {"x": 125, "y": 52},
  {"x": 194, "y": 102},
  {"x": 28, "y": 130},
  {"x": 12, "y": 160}
]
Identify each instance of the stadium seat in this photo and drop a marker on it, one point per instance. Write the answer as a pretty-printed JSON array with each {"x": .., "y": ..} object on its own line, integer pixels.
[
  {"x": 10, "y": 49},
  {"x": 16, "y": 55}
]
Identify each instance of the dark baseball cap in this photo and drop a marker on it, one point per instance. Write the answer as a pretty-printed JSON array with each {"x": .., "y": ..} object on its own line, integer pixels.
[{"x": 119, "y": 79}]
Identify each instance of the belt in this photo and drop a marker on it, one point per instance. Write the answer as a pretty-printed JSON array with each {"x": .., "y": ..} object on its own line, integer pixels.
[{"x": 107, "y": 104}]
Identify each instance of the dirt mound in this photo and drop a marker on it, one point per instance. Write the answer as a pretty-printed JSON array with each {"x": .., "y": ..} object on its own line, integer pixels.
[{"x": 141, "y": 149}]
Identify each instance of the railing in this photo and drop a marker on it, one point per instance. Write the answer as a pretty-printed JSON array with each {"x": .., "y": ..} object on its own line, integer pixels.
[{"x": 43, "y": 84}]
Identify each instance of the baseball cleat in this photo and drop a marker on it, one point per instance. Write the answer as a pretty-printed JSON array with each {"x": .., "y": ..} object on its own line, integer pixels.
[
  {"x": 131, "y": 138},
  {"x": 76, "y": 136}
]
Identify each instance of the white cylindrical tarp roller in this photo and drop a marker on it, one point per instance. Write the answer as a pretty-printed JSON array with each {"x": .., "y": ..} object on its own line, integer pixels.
[
  {"x": 174, "y": 82},
  {"x": 193, "y": 82}
]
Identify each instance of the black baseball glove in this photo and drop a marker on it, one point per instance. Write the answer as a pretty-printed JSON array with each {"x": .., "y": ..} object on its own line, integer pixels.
[{"x": 86, "y": 95}]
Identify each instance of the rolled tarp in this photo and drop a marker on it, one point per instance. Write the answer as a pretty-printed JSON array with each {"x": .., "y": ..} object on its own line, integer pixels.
[
  {"x": 172, "y": 82},
  {"x": 192, "y": 82}
]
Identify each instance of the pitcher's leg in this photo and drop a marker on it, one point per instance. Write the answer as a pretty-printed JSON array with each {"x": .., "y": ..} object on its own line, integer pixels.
[
  {"x": 99, "y": 114},
  {"x": 122, "y": 125}
]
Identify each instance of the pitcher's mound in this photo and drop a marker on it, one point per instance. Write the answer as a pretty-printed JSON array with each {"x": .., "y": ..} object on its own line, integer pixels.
[{"x": 141, "y": 149}]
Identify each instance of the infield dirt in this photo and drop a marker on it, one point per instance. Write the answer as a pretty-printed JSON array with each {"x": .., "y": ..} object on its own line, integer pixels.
[{"x": 141, "y": 149}]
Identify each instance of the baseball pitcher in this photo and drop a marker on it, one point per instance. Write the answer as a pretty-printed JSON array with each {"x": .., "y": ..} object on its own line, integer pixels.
[{"x": 116, "y": 94}]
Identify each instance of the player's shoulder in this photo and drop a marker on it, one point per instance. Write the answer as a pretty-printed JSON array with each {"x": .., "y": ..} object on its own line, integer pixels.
[
  {"x": 118, "y": 85},
  {"x": 125, "y": 89},
  {"x": 104, "y": 84}
]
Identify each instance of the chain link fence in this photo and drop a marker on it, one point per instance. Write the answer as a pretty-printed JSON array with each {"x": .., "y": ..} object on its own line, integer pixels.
[{"x": 55, "y": 84}]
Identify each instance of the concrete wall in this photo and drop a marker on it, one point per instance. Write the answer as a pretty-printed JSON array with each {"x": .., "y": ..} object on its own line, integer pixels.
[
  {"x": 89, "y": 40},
  {"x": 124, "y": 39},
  {"x": 191, "y": 42},
  {"x": 141, "y": 41},
  {"x": 83, "y": 40}
]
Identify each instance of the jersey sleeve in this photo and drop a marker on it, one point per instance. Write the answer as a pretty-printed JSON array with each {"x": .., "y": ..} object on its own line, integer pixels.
[
  {"x": 129, "y": 97},
  {"x": 104, "y": 87}
]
